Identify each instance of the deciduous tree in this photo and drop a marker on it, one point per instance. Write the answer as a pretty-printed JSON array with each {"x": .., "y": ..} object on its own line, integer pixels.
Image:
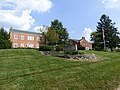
[{"x": 52, "y": 37}]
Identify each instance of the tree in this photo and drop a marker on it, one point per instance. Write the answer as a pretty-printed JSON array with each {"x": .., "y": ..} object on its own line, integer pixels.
[
  {"x": 106, "y": 34},
  {"x": 95, "y": 37},
  {"x": 62, "y": 32},
  {"x": 4, "y": 39},
  {"x": 52, "y": 37}
]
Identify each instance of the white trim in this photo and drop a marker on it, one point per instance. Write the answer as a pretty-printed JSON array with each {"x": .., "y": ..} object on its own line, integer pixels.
[
  {"x": 22, "y": 45},
  {"x": 15, "y": 36},
  {"x": 22, "y": 37},
  {"x": 15, "y": 45}
]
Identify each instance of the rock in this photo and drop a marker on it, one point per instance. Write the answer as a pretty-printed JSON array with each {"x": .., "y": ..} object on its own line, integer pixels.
[
  {"x": 88, "y": 56},
  {"x": 76, "y": 57}
]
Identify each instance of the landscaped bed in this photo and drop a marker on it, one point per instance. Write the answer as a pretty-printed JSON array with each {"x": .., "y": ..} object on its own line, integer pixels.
[
  {"x": 75, "y": 56},
  {"x": 27, "y": 69}
]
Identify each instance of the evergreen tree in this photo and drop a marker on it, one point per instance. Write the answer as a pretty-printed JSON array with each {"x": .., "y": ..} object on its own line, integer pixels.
[
  {"x": 106, "y": 34},
  {"x": 4, "y": 39},
  {"x": 57, "y": 26}
]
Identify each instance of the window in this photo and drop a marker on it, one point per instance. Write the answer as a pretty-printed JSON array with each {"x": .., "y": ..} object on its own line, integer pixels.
[
  {"x": 22, "y": 44},
  {"x": 37, "y": 38},
  {"x": 30, "y": 37},
  {"x": 22, "y": 37},
  {"x": 86, "y": 48},
  {"x": 30, "y": 45},
  {"x": 15, "y": 45},
  {"x": 37, "y": 45},
  {"x": 15, "y": 36}
]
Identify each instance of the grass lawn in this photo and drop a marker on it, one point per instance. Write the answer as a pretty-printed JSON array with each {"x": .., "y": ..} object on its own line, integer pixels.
[{"x": 27, "y": 69}]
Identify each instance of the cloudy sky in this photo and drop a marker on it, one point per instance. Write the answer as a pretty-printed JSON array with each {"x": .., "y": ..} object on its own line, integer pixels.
[{"x": 80, "y": 17}]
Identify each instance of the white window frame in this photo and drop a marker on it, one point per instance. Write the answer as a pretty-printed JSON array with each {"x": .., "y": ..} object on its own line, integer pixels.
[
  {"x": 15, "y": 36},
  {"x": 22, "y": 37},
  {"x": 15, "y": 45},
  {"x": 30, "y": 37},
  {"x": 22, "y": 45},
  {"x": 30, "y": 45}
]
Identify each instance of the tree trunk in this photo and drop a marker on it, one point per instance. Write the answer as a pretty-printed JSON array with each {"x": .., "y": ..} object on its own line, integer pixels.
[{"x": 111, "y": 48}]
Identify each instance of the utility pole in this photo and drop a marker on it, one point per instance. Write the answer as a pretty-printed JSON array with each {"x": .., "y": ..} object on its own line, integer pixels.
[{"x": 104, "y": 38}]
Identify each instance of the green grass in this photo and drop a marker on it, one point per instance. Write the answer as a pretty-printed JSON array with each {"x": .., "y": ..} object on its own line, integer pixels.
[{"x": 27, "y": 69}]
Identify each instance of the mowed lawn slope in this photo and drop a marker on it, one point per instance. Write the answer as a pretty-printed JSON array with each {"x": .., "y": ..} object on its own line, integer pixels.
[{"x": 27, "y": 69}]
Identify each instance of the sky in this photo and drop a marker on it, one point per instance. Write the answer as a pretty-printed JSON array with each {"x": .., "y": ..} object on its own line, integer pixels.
[{"x": 80, "y": 17}]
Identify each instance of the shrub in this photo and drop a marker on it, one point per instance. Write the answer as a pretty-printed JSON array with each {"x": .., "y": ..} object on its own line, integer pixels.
[
  {"x": 81, "y": 52},
  {"x": 81, "y": 48},
  {"x": 25, "y": 48},
  {"x": 75, "y": 52},
  {"x": 117, "y": 50},
  {"x": 71, "y": 52},
  {"x": 46, "y": 48},
  {"x": 59, "y": 48}
]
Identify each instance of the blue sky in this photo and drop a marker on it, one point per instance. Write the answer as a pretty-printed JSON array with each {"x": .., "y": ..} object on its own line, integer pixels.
[{"x": 80, "y": 17}]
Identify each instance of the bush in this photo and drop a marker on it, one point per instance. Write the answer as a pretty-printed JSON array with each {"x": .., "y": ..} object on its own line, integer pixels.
[
  {"x": 46, "y": 48},
  {"x": 81, "y": 52},
  {"x": 117, "y": 50},
  {"x": 59, "y": 48},
  {"x": 71, "y": 52},
  {"x": 75, "y": 52},
  {"x": 81, "y": 48}
]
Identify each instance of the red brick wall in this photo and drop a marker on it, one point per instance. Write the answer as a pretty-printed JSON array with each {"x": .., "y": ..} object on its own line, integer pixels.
[
  {"x": 85, "y": 43},
  {"x": 25, "y": 41},
  {"x": 82, "y": 43}
]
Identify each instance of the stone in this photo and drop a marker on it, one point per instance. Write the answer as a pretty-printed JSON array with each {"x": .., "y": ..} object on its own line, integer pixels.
[{"x": 74, "y": 57}]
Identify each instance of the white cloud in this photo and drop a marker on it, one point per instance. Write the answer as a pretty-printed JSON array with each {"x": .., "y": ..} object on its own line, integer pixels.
[
  {"x": 40, "y": 29},
  {"x": 72, "y": 32},
  {"x": 111, "y": 4},
  {"x": 21, "y": 22},
  {"x": 37, "y": 28},
  {"x": 86, "y": 33},
  {"x": 17, "y": 13}
]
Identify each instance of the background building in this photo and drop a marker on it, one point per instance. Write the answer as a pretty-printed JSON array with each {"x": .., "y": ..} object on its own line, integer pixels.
[
  {"x": 25, "y": 39},
  {"x": 81, "y": 44}
]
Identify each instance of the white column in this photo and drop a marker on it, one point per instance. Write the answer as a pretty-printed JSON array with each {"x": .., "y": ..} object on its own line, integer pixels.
[{"x": 75, "y": 46}]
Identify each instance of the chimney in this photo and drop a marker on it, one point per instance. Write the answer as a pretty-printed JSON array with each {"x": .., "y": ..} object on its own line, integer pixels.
[{"x": 83, "y": 37}]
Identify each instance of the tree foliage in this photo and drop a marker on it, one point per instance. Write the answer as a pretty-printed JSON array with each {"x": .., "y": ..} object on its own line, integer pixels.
[
  {"x": 95, "y": 37},
  {"x": 4, "y": 39},
  {"x": 105, "y": 30},
  {"x": 52, "y": 37},
  {"x": 62, "y": 32}
]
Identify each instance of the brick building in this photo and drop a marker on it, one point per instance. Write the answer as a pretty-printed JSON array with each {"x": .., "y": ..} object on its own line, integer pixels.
[
  {"x": 81, "y": 44},
  {"x": 25, "y": 39}
]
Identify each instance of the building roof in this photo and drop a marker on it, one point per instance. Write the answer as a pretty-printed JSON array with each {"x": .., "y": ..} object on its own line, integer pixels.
[
  {"x": 22, "y": 31},
  {"x": 76, "y": 40}
]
